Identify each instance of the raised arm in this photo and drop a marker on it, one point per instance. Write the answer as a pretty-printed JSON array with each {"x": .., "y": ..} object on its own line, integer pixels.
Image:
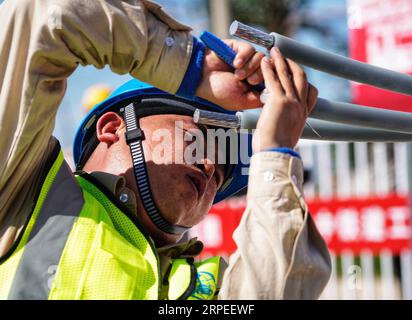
[
  {"x": 42, "y": 43},
  {"x": 280, "y": 254}
]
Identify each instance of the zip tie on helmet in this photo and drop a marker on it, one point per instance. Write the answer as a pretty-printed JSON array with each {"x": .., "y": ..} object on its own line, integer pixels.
[{"x": 134, "y": 137}]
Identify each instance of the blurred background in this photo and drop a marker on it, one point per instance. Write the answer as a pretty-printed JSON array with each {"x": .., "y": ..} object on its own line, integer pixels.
[{"x": 357, "y": 192}]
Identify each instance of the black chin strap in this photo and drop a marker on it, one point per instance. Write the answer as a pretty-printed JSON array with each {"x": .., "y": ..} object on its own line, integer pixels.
[{"x": 134, "y": 137}]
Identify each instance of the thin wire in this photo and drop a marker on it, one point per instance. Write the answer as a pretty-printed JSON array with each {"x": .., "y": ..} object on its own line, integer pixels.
[
  {"x": 263, "y": 96},
  {"x": 313, "y": 129}
]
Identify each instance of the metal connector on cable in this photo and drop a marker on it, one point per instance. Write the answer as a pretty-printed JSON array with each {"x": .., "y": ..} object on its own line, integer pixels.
[
  {"x": 325, "y": 61},
  {"x": 248, "y": 33},
  {"x": 216, "y": 119}
]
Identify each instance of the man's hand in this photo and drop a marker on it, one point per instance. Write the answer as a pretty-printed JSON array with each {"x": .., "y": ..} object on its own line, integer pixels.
[
  {"x": 232, "y": 89},
  {"x": 289, "y": 99}
]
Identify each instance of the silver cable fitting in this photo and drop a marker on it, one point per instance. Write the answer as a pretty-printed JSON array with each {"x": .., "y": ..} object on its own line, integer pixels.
[{"x": 216, "y": 119}]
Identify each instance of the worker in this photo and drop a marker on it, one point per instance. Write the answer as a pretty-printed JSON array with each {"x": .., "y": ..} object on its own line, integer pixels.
[{"x": 113, "y": 229}]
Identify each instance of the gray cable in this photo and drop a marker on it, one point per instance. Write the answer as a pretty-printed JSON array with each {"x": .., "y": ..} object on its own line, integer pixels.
[
  {"x": 352, "y": 114},
  {"x": 343, "y": 67},
  {"x": 332, "y": 131},
  {"x": 325, "y": 61}
]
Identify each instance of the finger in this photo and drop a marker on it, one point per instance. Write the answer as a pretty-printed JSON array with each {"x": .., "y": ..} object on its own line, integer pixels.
[
  {"x": 250, "y": 67},
  {"x": 312, "y": 98},
  {"x": 252, "y": 100},
  {"x": 300, "y": 80},
  {"x": 272, "y": 82},
  {"x": 247, "y": 98},
  {"x": 244, "y": 52},
  {"x": 264, "y": 96},
  {"x": 283, "y": 72},
  {"x": 255, "y": 78},
  {"x": 242, "y": 96}
]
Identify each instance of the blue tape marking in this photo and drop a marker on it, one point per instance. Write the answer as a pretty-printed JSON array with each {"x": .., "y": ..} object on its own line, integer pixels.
[{"x": 223, "y": 51}]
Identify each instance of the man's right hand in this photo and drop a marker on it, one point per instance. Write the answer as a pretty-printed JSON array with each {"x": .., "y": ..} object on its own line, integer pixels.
[
  {"x": 232, "y": 89},
  {"x": 288, "y": 100}
]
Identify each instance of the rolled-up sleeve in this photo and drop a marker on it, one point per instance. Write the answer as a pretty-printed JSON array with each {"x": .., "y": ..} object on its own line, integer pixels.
[
  {"x": 41, "y": 44},
  {"x": 280, "y": 253}
]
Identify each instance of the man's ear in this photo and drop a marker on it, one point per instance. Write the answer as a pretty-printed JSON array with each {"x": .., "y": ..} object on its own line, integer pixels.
[{"x": 107, "y": 127}]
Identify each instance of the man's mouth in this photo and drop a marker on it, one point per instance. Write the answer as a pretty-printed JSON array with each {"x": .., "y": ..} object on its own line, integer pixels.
[{"x": 199, "y": 182}]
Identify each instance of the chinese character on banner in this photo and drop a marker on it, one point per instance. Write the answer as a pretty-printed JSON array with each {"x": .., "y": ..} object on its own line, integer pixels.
[
  {"x": 373, "y": 224},
  {"x": 380, "y": 33}
]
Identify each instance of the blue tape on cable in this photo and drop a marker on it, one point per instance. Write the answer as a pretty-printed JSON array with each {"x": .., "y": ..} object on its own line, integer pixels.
[{"x": 223, "y": 51}]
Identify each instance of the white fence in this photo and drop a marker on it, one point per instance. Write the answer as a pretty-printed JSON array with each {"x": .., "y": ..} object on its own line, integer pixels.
[{"x": 359, "y": 170}]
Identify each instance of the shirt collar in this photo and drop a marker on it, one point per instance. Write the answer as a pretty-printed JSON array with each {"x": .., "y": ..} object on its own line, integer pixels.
[{"x": 117, "y": 186}]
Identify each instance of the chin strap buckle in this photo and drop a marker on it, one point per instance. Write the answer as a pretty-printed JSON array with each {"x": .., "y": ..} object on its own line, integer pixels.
[{"x": 134, "y": 135}]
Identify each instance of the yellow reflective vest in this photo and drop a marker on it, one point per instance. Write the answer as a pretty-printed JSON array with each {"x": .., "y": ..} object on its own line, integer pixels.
[{"x": 78, "y": 244}]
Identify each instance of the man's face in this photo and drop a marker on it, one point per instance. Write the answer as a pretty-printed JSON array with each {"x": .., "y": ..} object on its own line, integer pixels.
[{"x": 183, "y": 189}]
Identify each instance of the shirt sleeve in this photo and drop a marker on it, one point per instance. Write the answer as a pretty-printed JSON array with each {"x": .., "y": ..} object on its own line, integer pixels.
[
  {"x": 285, "y": 150},
  {"x": 43, "y": 42},
  {"x": 193, "y": 73},
  {"x": 280, "y": 253}
]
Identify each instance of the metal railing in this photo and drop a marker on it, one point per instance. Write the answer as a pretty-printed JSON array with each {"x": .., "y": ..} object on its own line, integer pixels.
[{"x": 341, "y": 170}]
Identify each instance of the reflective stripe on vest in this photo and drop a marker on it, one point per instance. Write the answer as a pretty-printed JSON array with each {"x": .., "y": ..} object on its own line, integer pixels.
[
  {"x": 106, "y": 256},
  {"x": 79, "y": 245},
  {"x": 14, "y": 271}
]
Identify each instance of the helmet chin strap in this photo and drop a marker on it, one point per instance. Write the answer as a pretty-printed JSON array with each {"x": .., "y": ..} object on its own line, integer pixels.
[{"x": 134, "y": 138}]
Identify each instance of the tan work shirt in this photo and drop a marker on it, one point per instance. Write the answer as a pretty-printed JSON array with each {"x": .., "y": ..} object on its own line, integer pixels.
[
  {"x": 41, "y": 43},
  {"x": 280, "y": 253}
]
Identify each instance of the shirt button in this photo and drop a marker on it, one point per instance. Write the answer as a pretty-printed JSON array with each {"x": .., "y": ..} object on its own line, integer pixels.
[
  {"x": 124, "y": 197},
  {"x": 268, "y": 176},
  {"x": 170, "y": 41},
  {"x": 295, "y": 180}
]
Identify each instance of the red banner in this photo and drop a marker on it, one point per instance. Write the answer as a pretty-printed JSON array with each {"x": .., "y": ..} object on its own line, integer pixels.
[
  {"x": 373, "y": 224},
  {"x": 380, "y": 33},
  {"x": 217, "y": 229}
]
